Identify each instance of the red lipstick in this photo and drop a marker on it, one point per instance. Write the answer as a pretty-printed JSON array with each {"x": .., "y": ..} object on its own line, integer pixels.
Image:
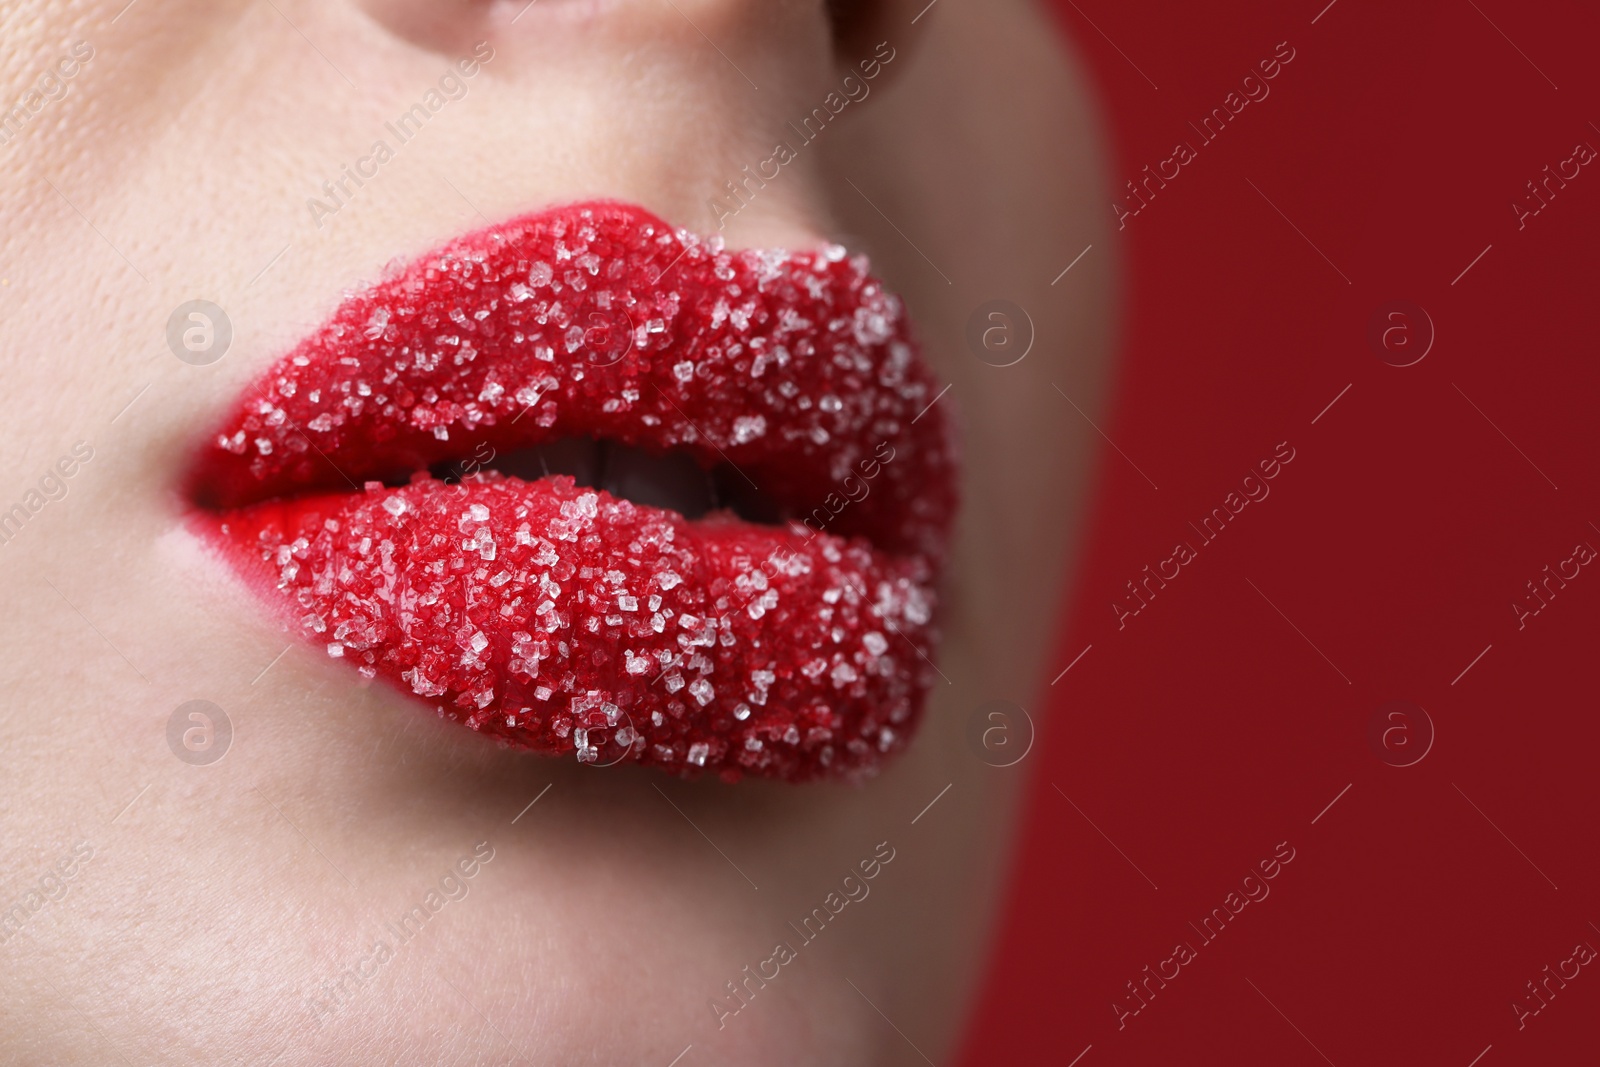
[{"x": 593, "y": 485}]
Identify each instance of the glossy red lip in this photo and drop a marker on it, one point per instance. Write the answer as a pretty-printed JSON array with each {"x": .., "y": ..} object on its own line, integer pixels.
[{"x": 567, "y": 619}]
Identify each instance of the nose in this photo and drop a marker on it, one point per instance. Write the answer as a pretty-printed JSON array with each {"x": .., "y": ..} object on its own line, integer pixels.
[
  {"x": 691, "y": 96},
  {"x": 740, "y": 32},
  {"x": 447, "y": 23}
]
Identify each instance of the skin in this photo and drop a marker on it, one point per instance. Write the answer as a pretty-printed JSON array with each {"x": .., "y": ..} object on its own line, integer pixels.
[{"x": 223, "y": 897}]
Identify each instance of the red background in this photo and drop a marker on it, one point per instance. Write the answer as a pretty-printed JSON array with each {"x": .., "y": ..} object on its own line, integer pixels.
[{"x": 1216, "y": 724}]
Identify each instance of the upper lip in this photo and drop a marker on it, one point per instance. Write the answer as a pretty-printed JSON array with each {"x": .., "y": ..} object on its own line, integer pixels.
[
  {"x": 601, "y": 321},
  {"x": 443, "y": 357}
]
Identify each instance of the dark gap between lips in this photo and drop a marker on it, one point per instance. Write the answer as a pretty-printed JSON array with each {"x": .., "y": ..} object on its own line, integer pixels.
[{"x": 671, "y": 479}]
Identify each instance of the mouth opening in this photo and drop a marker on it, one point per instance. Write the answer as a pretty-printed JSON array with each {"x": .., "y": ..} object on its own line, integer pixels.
[{"x": 673, "y": 479}]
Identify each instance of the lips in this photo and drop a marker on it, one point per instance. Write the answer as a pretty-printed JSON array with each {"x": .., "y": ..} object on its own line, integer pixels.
[{"x": 384, "y": 487}]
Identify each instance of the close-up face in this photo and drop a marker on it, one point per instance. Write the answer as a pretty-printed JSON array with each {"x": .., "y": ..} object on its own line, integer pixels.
[{"x": 518, "y": 518}]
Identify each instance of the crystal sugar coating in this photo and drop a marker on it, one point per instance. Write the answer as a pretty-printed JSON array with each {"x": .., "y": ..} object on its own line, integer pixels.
[{"x": 560, "y": 618}]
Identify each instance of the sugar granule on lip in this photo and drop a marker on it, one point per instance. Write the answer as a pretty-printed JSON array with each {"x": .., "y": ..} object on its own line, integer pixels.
[{"x": 568, "y": 621}]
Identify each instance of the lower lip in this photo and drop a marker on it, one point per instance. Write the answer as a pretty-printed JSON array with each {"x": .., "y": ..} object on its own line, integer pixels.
[{"x": 566, "y": 621}]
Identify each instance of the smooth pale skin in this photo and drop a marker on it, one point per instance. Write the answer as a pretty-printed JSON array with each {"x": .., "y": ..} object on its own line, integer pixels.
[{"x": 606, "y": 922}]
